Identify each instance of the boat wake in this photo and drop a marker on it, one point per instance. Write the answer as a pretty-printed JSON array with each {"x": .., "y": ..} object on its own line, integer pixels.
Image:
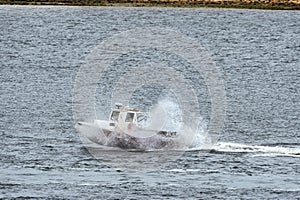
[{"x": 256, "y": 150}]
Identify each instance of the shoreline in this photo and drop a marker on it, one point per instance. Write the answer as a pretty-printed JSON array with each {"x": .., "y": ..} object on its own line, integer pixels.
[{"x": 235, "y": 4}]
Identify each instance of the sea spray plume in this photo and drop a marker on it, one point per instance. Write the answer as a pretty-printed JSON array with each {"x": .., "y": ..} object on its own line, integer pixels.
[
  {"x": 201, "y": 139},
  {"x": 188, "y": 137},
  {"x": 171, "y": 113}
]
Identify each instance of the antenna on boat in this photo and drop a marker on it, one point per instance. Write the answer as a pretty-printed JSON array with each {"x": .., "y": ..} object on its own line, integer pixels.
[{"x": 118, "y": 105}]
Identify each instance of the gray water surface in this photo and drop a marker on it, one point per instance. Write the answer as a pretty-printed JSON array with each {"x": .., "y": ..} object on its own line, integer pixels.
[{"x": 42, "y": 156}]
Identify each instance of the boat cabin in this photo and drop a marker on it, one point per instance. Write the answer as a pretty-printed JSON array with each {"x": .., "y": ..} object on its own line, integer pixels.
[{"x": 125, "y": 116}]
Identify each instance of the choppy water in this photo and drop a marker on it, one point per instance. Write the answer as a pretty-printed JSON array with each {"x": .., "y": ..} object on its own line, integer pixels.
[{"x": 257, "y": 156}]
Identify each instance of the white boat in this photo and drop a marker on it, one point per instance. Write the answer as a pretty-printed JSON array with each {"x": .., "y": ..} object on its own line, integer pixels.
[{"x": 129, "y": 128}]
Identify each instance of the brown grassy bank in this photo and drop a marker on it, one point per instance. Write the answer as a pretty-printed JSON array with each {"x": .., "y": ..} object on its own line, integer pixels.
[{"x": 250, "y": 4}]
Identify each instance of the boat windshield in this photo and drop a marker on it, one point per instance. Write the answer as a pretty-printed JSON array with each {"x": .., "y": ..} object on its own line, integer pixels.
[
  {"x": 115, "y": 115},
  {"x": 129, "y": 117},
  {"x": 143, "y": 120}
]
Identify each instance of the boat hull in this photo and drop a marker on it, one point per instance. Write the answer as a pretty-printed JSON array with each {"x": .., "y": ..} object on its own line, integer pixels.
[{"x": 113, "y": 138}]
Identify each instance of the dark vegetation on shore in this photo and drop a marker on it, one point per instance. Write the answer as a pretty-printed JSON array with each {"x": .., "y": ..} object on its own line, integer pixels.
[{"x": 250, "y": 4}]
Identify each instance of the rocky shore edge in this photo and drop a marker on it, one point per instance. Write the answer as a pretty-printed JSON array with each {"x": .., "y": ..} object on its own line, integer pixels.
[{"x": 248, "y": 4}]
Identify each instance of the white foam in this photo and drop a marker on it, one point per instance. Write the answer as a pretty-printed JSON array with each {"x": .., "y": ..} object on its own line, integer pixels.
[
  {"x": 192, "y": 170},
  {"x": 261, "y": 150}
]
